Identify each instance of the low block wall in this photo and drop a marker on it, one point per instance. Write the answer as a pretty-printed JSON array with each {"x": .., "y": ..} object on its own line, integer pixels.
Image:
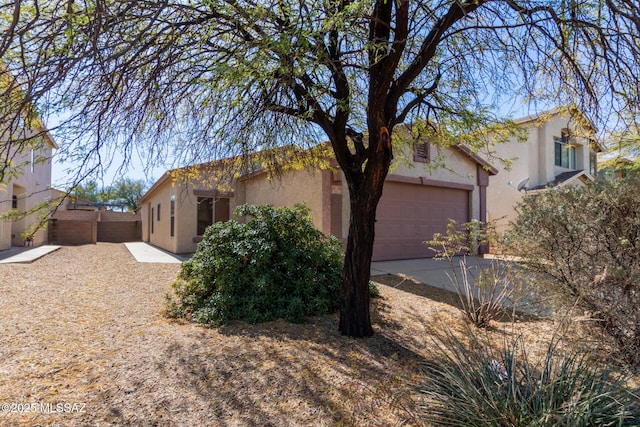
[{"x": 86, "y": 227}]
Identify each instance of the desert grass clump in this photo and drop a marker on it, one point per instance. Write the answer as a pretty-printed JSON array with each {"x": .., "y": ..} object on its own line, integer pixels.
[
  {"x": 486, "y": 290},
  {"x": 477, "y": 386}
]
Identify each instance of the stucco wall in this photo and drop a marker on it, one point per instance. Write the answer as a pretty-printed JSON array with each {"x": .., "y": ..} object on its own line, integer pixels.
[
  {"x": 302, "y": 186},
  {"x": 31, "y": 188},
  {"x": 185, "y": 214},
  {"x": 160, "y": 233},
  {"x": 533, "y": 159}
]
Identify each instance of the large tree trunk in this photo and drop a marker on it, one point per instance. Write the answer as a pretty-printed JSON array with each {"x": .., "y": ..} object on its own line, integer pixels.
[
  {"x": 365, "y": 190},
  {"x": 354, "y": 315}
]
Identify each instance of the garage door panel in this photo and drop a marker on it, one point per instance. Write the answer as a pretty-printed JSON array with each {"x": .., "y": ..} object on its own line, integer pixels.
[{"x": 410, "y": 214}]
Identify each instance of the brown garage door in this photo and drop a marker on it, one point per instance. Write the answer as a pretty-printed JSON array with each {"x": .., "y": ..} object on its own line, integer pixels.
[{"x": 409, "y": 214}]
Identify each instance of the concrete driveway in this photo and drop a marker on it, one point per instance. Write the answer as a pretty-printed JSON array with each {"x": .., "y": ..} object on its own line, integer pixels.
[
  {"x": 426, "y": 270},
  {"x": 437, "y": 273}
]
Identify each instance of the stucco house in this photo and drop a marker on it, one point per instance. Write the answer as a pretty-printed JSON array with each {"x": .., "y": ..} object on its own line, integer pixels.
[
  {"x": 26, "y": 187},
  {"x": 559, "y": 150},
  {"x": 417, "y": 201}
]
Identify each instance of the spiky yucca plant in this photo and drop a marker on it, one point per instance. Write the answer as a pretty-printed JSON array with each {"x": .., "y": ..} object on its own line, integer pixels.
[{"x": 481, "y": 387}]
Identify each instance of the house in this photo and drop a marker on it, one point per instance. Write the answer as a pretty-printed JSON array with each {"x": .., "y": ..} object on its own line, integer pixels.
[
  {"x": 24, "y": 191},
  {"x": 417, "y": 201},
  {"x": 614, "y": 168},
  {"x": 25, "y": 170},
  {"x": 559, "y": 150}
]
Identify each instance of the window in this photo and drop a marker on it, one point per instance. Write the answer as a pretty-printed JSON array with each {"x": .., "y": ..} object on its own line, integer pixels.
[
  {"x": 422, "y": 152},
  {"x": 172, "y": 216},
  {"x": 593, "y": 164},
  {"x": 205, "y": 214},
  {"x": 565, "y": 153},
  {"x": 152, "y": 220},
  {"x": 14, "y": 202},
  {"x": 158, "y": 212}
]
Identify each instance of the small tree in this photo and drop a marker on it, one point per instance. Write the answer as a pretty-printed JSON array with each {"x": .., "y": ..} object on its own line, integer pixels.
[
  {"x": 125, "y": 192},
  {"x": 583, "y": 246}
]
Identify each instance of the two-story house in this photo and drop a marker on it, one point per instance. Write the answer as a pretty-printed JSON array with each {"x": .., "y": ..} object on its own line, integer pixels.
[
  {"x": 25, "y": 170},
  {"x": 559, "y": 149}
]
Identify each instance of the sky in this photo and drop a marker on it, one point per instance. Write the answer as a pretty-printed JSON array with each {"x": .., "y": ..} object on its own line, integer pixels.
[{"x": 62, "y": 172}]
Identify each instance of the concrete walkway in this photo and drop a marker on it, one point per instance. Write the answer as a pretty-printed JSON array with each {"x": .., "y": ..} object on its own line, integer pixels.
[
  {"x": 144, "y": 252},
  {"x": 25, "y": 255}
]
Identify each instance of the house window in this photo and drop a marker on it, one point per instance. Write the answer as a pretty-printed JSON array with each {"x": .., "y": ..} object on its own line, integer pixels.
[
  {"x": 158, "y": 212},
  {"x": 152, "y": 218},
  {"x": 172, "y": 215},
  {"x": 205, "y": 214},
  {"x": 14, "y": 202},
  {"x": 422, "y": 152},
  {"x": 565, "y": 153},
  {"x": 593, "y": 164}
]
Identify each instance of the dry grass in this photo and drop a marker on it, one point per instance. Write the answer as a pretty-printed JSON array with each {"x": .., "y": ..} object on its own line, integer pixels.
[{"x": 84, "y": 325}]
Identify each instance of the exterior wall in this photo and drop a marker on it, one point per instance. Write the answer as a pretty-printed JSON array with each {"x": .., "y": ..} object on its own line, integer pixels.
[
  {"x": 31, "y": 188},
  {"x": 158, "y": 232},
  {"x": 303, "y": 186},
  {"x": 185, "y": 236},
  {"x": 453, "y": 168},
  {"x": 76, "y": 227},
  {"x": 324, "y": 191},
  {"x": 533, "y": 159}
]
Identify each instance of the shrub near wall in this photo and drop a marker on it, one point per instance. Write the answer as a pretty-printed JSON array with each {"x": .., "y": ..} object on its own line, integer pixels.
[
  {"x": 583, "y": 245},
  {"x": 277, "y": 265}
]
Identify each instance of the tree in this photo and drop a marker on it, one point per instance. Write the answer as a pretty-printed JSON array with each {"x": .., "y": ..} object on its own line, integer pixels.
[
  {"x": 623, "y": 150},
  {"x": 125, "y": 192},
  {"x": 218, "y": 77}
]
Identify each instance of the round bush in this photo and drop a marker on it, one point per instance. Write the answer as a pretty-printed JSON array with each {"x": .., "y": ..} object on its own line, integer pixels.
[{"x": 277, "y": 265}]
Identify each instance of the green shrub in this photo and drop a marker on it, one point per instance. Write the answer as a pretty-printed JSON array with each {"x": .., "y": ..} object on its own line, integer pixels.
[
  {"x": 277, "y": 265},
  {"x": 583, "y": 247},
  {"x": 481, "y": 388}
]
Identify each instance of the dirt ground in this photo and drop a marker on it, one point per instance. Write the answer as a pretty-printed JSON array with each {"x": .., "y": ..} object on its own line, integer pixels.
[{"x": 84, "y": 342}]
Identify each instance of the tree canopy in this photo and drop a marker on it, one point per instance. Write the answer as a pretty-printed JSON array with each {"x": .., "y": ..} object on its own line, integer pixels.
[
  {"x": 125, "y": 193},
  {"x": 199, "y": 80}
]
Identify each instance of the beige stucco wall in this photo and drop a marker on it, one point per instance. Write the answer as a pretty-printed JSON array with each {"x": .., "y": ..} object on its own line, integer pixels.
[
  {"x": 534, "y": 159},
  {"x": 301, "y": 186},
  {"x": 32, "y": 188},
  {"x": 185, "y": 216}
]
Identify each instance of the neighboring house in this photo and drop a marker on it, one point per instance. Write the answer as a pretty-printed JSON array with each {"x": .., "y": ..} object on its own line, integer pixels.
[
  {"x": 559, "y": 150},
  {"x": 416, "y": 203},
  {"x": 612, "y": 169},
  {"x": 26, "y": 187}
]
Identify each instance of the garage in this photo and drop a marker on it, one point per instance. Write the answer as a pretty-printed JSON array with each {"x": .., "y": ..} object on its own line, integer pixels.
[{"x": 408, "y": 214}]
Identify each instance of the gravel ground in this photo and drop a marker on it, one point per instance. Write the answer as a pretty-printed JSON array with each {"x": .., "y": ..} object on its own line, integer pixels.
[{"x": 84, "y": 342}]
